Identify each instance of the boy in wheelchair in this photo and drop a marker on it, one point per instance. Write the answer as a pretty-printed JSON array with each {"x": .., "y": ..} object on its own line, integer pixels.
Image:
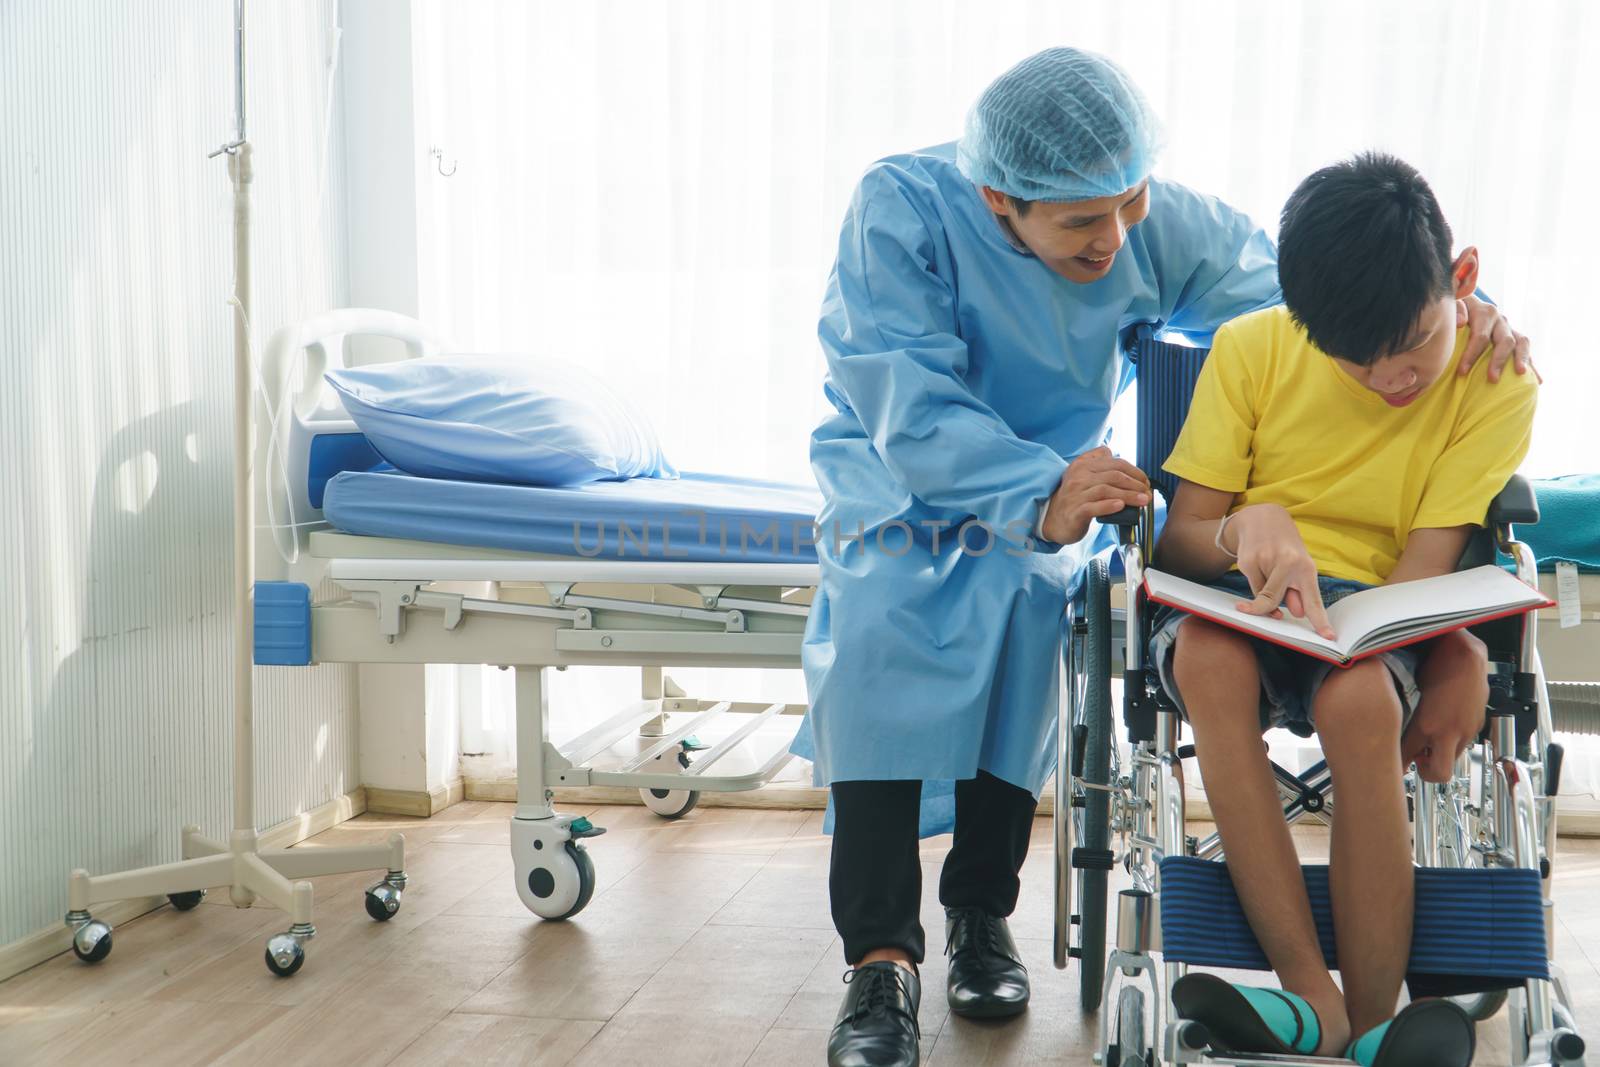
[{"x": 1331, "y": 445}]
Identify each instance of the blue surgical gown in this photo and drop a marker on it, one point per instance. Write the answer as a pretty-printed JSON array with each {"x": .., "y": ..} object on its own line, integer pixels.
[{"x": 964, "y": 375}]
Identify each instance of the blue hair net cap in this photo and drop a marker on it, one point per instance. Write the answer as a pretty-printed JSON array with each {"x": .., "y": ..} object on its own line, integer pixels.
[{"x": 1061, "y": 125}]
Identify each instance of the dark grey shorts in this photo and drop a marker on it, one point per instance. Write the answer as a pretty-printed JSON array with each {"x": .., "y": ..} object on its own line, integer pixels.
[{"x": 1289, "y": 680}]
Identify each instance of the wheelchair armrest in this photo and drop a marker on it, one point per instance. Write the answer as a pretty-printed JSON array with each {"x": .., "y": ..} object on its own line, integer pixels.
[{"x": 1514, "y": 503}]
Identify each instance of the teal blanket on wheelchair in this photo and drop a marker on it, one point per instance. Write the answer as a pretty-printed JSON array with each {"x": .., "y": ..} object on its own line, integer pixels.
[
  {"x": 1569, "y": 522},
  {"x": 1473, "y": 922}
]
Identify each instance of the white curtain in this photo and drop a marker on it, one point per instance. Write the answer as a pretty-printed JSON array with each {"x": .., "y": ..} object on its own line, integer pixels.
[{"x": 656, "y": 188}]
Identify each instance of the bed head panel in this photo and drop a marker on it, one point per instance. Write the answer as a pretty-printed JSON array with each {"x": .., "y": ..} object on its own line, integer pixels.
[{"x": 304, "y": 436}]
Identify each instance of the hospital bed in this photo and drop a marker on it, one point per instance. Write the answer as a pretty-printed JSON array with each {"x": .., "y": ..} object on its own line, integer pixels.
[{"x": 418, "y": 570}]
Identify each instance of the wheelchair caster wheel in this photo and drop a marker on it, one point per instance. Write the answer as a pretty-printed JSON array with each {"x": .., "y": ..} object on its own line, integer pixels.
[
  {"x": 92, "y": 941},
  {"x": 383, "y": 901},
  {"x": 670, "y": 803},
  {"x": 284, "y": 955},
  {"x": 1129, "y": 1048},
  {"x": 187, "y": 901},
  {"x": 1481, "y": 1006}
]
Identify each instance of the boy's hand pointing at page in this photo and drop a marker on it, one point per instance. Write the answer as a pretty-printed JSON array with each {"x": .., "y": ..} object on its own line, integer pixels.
[{"x": 1275, "y": 561}]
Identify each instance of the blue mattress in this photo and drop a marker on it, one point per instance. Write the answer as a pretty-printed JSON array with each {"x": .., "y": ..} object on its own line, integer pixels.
[{"x": 698, "y": 517}]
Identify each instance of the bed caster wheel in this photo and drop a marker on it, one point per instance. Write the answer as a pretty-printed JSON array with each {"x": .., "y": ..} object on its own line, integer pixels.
[
  {"x": 187, "y": 901},
  {"x": 561, "y": 887},
  {"x": 284, "y": 954},
  {"x": 670, "y": 803},
  {"x": 91, "y": 942},
  {"x": 554, "y": 874},
  {"x": 383, "y": 901}
]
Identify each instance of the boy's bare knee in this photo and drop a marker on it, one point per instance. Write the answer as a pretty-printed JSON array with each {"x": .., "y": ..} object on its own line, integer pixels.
[
  {"x": 1203, "y": 647},
  {"x": 1205, "y": 652},
  {"x": 1459, "y": 659},
  {"x": 1462, "y": 646},
  {"x": 1357, "y": 709}
]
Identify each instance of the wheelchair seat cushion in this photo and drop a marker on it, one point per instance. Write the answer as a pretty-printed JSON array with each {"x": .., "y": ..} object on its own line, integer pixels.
[{"x": 1471, "y": 922}]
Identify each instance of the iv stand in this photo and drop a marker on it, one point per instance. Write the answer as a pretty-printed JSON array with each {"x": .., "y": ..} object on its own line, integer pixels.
[{"x": 247, "y": 870}]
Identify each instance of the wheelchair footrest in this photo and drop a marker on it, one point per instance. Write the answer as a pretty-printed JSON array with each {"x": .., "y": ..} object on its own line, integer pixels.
[
  {"x": 1480, "y": 922},
  {"x": 1093, "y": 859}
]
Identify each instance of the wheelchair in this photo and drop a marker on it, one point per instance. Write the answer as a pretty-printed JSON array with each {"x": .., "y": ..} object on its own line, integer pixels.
[{"x": 1488, "y": 835}]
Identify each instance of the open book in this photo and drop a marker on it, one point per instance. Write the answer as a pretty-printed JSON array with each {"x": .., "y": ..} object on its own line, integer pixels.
[{"x": 1371, "y": 621}]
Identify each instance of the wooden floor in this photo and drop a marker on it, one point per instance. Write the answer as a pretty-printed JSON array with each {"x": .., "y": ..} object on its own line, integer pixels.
[{"x": 708, "y": 942}]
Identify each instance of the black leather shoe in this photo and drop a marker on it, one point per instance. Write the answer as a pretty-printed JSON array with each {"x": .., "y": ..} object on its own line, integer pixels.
[
  {"x": 877, "y": 1025},
  {"x": 987, "y": 979}
]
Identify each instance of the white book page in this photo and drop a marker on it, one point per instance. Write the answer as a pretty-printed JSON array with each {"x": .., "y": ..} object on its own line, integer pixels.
[
  {"x": 1220, "y": 604},
  {"x": 1464, "y": 594}
]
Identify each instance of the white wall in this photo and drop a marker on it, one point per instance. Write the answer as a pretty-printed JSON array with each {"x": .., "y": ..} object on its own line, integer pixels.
[
  {"x": 115, "y": 366},
  {"x": 656, "y": 189},
  {"x": 407, "y": 735}
]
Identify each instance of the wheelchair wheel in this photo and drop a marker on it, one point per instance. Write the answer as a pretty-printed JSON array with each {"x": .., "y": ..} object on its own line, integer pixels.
[{"x": 1093, "y": 819}]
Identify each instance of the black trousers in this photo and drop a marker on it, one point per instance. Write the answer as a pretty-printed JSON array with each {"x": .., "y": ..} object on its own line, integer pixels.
[{"x": 875, "y": 880}]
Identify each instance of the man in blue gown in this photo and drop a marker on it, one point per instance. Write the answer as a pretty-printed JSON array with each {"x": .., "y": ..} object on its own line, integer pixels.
[{"x": 973, "y": 326}]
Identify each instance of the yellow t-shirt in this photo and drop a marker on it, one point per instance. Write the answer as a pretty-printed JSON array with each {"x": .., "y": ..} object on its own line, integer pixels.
[{"x": 1274, "y": 420}]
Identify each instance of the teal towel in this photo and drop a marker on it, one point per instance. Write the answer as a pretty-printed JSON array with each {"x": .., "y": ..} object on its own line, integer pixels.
[{"x": 1569, "y": 522}]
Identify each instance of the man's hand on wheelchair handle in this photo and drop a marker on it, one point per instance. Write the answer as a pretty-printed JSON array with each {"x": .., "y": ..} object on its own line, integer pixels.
[
  {"x": 1094, "y": 485},
  {"x": 1274, "y": 559}
]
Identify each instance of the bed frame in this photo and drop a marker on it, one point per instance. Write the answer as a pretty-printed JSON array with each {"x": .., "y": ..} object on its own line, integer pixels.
[{"x": 397, "y": 601}]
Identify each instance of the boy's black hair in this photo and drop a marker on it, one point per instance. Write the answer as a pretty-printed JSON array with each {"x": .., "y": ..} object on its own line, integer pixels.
[{"x": 1362, "y": 250}]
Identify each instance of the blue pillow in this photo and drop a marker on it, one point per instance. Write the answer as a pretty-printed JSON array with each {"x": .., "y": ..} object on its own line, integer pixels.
[{"x": 519, "y": 420}]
